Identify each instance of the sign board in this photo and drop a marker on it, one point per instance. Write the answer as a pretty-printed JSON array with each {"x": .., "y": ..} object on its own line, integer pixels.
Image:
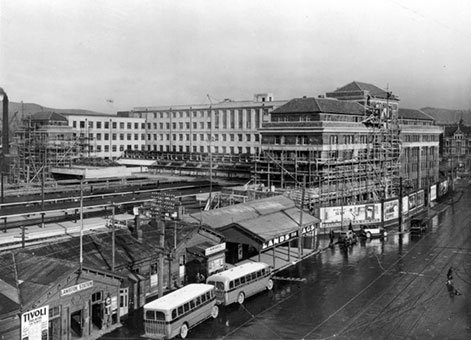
[
  {"x": 76, "y": 288},
  {"x": 405, "y": 204},
  {"x": 433, "y": 192},
  {"x": 35, "y": 323},
  {"x": 286, "y": 237},
  {"x": 215, "y": 249},
  {"x": 391, "y": 210},
  {"x": 356, "y": 214}
]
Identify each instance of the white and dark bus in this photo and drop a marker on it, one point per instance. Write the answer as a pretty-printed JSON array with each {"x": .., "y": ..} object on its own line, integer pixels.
[
  {"x": 240, "y": 282},
  {"x": 176, "y": 313}
]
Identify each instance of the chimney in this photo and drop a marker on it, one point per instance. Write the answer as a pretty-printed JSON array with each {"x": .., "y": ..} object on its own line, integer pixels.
[{"x": 137, "y": 232}]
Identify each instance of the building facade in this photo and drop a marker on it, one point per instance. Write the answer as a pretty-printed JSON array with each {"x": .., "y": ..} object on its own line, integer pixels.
[
  {"x": 353, "y": 146},
  {"x": 108, "y": 136},
  {"x": 456, "y": 152},
  {"x": 227, "y": 127}
]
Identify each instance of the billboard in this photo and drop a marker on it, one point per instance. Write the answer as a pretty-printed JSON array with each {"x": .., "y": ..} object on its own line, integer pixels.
[
  {"x": 391, "y": 210},
  {"x": 433, "y": 192},
  {"x": 356, "y": 214},
  {"x": 34, "y": 324},
  {"x": 405, "y": 204},
  {"x": 412, "y": 201},
  {"x": 420, "y": 198}
]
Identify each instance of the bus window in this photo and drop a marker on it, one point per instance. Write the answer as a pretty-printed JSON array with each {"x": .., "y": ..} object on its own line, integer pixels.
[
  {"x": 263, "y": 271},
  {"x": 150, "y": 315},
  {"x": 211, "y": 283},
  {"x": 248, "y": 278},
  {"x": 231, "y": 284},
  {"x": 242, "y": 280},
  {"x": 208, "y": 295},
  {"x": 186, "y": 307},
  {"x": 237, "y": 282},
  {"x": 253, "y": 276},
  {"x": 180, "y": 310},
  {"x": 160, "y": 316},
  {"x": 203, "y": 298},
  {"x": 198, "y": 301},
  {"x": 219, "y": 285},
  {"x": 192, "y": 304},
  {"x": 174, "y": 314},
  {"x": 259, "y": 273}
]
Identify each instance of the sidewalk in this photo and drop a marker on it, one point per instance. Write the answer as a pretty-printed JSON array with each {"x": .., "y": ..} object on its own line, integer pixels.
[{"x": 285, "y": 257}]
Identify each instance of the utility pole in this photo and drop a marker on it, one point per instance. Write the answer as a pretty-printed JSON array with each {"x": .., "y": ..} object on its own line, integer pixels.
[
  {"x": 160, "y": 269},
  {"x": 81, "y": 224},
  {"x": 300, "y": 236},
  {"x": 113, "y": 236},
  {"x": 210, "y": 151},
  {"x": 400, "y": 205}
]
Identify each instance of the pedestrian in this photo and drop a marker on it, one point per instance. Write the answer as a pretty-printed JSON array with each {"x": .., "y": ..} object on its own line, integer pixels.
[
  {"x": 350, "y": 227},
  {"x": 449, "y": 275},
  {"x": 331, "y": 236}
]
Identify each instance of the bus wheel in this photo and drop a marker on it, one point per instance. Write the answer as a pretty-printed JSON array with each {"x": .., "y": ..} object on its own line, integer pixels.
[
  {"x": 368, "y": 234},
  {"x": 241, "y": 298},
  {"x": 214, "y": 312},
  {"x": 184, "y": 331},
  {"x": 270, "y": 284}
]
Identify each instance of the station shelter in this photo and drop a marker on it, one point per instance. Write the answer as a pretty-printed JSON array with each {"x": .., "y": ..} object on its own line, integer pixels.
[
  {"x": 262, "y": 230},
  {"x": 59, "y": 299}
]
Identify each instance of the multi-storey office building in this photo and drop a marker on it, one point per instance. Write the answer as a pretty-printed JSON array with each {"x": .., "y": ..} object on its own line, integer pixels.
[
  {"x": 109, "y": 135},
  {"x": 353, "y": 148},
  {"x": 457, "y": 147},
  {"x": 233, "y": 126}
]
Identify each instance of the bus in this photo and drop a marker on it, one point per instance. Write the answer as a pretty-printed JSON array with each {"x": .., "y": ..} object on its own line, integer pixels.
[
  {"x": 240, "y": 282},
  {"x": 177, "y": 312}
]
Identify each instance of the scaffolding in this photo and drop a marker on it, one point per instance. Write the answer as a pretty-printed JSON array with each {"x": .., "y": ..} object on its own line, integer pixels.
[
  {"x": 40, "y": 145},
  {"x": 369, "y": 170}
]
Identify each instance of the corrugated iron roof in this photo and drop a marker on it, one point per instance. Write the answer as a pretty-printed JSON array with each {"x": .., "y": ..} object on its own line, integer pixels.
[
  {"x": 324, "y": 105},
  {"x": 244, "y": 211}
]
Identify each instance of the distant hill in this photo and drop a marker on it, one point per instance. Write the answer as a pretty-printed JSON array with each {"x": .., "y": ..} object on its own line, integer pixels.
[
  {"x": 18, "y": 111},
  {"x": 447, "y": 116}
]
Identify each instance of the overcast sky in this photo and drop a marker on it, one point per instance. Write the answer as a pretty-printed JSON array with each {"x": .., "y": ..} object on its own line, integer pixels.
[{"x": 114, "y": 55}]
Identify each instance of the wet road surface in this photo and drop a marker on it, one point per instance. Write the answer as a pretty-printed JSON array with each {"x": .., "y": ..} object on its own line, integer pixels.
[{"x": 393, "y": 288}]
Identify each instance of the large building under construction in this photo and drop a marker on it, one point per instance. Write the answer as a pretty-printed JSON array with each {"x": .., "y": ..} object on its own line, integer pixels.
[{"x": 354, "y": 146}]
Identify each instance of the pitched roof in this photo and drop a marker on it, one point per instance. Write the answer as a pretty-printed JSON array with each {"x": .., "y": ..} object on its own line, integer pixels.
[
  {"x": 312, "y": 105},
  {"x": 414, "y": 114},
  {"x": 48, "y": 115},
  {"x": 359, "y": 88},
  {"x": 450, "y": 130}
]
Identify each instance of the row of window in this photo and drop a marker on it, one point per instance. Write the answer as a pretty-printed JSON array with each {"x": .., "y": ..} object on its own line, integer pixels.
[
  {"x": 205, "y": 137},
  {"x": 183, "y": 309},
  {"x": 247, "y": 278},
  {"x": 114, "y": 148},
  {"x": 106, "y": 125},
  {"x": 201, "y": 148}
]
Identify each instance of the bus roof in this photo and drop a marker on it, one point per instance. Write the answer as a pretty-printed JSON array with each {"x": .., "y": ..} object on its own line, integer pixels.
[
  {"x": 240, "y": 270},
  {"x": 179, "y": 297}
]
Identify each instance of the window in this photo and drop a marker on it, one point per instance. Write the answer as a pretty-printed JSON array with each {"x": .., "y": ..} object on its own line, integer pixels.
[
  {"x": 240, "y": 138},
  {"x": 74, "y": 124},
  {"x": 121, "y": 136},
  {"x": 107, "y": 125},
  {"x": 114, "y": 125},
  {"x": 180, "y": 310},
  {"x": 96, "y": 296},
  {"x": 192, "y": 304},
  {"x": 247, "y": 138},
  {"x": 107, "y": 148},
  {"x": 174, "y": 314},
  {"x": 237, "y": 282},
  {"x": 136, "y": 126},
  {"x": 98, "y": 125},
  {"x": 107, "y": 136},
  {"x": 113, "y": 136},
  {"x": 128, "y": 136},
  {"x": 186, "y": 307},
  {"x": 98, "y": 136},
  {"x": 121, "y": 125},
  {"x": 231, "y": 284}
]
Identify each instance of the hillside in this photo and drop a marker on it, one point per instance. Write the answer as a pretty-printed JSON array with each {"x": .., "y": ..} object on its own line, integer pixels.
[
  {"x": 447, "y": 116},
  {"x": 17, "y": 111}
]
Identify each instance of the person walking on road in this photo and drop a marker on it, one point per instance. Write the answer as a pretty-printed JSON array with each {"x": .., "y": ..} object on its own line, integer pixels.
[{"x": 449, "y": 283}]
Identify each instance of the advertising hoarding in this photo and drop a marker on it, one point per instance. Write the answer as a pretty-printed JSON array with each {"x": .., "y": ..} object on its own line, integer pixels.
[
  {"x": 35, "y": 323},
  {"x": 433, "y": 192},
  {"x": 391, "y": 210}
]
